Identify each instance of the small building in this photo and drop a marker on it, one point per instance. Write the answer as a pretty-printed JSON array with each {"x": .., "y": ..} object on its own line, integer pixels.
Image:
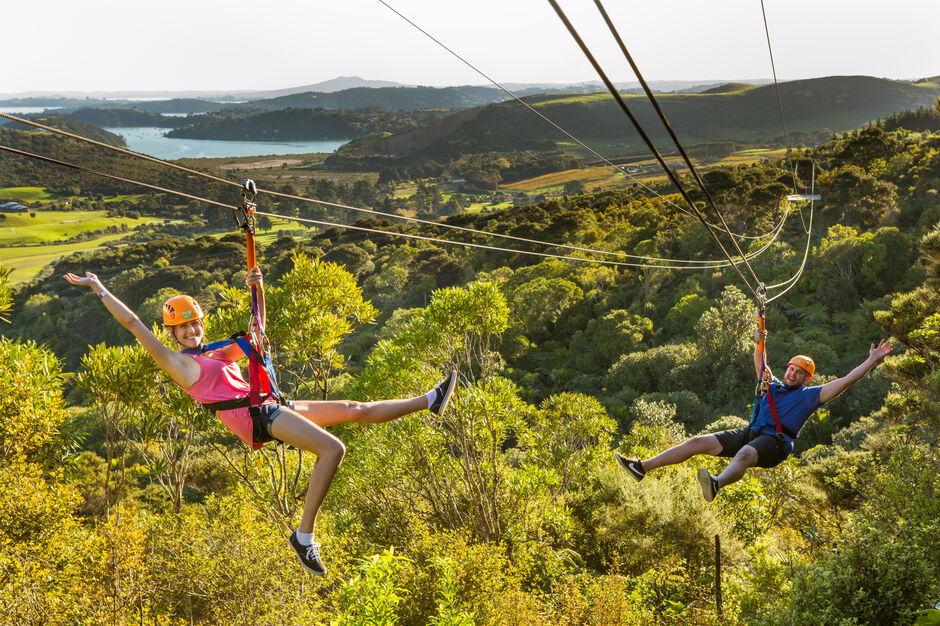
[{"x": 13, "y": 207}]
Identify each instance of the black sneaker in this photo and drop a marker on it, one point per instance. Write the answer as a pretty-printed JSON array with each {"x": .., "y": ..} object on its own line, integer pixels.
[
  {"x": 633, "y": 466},
  {"x": 309, "y": 555},
  {"x": 709, "y": 484},
  {"x": 444, "y": 391}
]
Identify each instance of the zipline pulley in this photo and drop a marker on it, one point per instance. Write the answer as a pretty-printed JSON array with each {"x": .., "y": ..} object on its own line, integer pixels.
[{"x": 245, "y": 215}]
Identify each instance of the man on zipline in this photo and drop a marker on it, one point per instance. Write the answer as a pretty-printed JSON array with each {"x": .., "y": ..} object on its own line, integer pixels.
[{"x": 778, "y": 417}]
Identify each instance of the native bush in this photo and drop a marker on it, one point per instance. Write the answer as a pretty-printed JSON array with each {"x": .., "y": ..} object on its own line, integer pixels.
[
  {"x": 643, "y": 525},
  {"x": 660, "y": 369},
  {"x": 33, "y": 379},
  {"x": 446, "y": 569},
  {"x": 604, "y": 340}
]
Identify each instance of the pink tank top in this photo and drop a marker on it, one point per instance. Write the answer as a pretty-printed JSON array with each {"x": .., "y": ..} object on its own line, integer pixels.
[{"x": 220, "y": 378}]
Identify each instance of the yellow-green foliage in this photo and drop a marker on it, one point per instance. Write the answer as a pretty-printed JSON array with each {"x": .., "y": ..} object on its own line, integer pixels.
[{"x": 32, "y": 399}]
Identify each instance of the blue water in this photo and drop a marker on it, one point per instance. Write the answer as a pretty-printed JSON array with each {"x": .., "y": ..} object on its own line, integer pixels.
[{"x": 152, "y": 142}]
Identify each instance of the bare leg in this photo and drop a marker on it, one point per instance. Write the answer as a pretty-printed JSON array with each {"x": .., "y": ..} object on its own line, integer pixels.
[
  {"x": 702, "y": 444},
  {"x": 745, "y": 458},
  {"x": 331, "y": 412},
  {"x": 302, "y": 433}
]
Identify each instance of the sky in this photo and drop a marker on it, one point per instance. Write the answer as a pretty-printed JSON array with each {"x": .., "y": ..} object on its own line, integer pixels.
[{"x": 242, "y": 45}]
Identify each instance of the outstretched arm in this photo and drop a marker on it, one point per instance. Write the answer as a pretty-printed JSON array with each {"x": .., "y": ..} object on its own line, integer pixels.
[
  {"x": 183, "y": 370},
  {"x": 875, "y": 354}
]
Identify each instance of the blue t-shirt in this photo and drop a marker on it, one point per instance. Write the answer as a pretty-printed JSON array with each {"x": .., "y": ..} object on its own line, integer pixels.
[{"x": 794, "y": 406}]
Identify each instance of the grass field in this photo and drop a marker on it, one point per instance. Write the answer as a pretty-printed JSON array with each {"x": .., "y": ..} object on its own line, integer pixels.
[
  {"x": 25, "y": 194},
  {"x": 50, "y": 226},
  {"x": 600, "y": 177},
  {"x": 47, "y": 226},
  {"x": 28, "y": 261},
  {"x": 589, "y": 176}
]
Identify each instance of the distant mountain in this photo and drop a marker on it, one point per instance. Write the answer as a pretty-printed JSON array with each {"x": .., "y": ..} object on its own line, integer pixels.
[
  {"x": 339, "y": 83},
  {"x": 734, "y": 112},
  {"x": 386, "y": 98},
  {"x": 75, "y": 99},
  {"x": 334, "y": 84}
]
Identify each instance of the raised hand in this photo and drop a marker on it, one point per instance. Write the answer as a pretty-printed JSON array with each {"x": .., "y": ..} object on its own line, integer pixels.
[
  {"x": 882, "y": 350},
  {"x": 88, "y": 280},
  {"x": 253, "y": 278}
]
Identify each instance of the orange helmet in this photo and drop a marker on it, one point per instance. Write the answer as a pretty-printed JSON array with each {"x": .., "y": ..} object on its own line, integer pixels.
[
  {"x": 181, "y": 309},
  {"x": 805, "y": 363}
]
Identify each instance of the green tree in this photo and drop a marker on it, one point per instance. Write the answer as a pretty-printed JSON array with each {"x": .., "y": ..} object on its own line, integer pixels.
[
  {"x": 371, "y": 596},
  {"x": 33, "y": 402},
  {"x": 315, "y": 306},
  {"x": 854, "y": 198},
  {"x": 605, "y": 339},
  {"x": 539, "y": 303},
  {"x": 6, "y": 298},
  {"x": 724, "y": 332},
  {"x": 573, "y": 188},
  {"x": 116, "y": 380}
]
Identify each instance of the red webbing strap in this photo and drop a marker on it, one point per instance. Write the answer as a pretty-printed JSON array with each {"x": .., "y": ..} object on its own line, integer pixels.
[
  {"x": 254, "y": 380},
  {"x": 773, "y": 412},
  {"x": 763, "y": 356},
  {"x": 257, "y": 378}
]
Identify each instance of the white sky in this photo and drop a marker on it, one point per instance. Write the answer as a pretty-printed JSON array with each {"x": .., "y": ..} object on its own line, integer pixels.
[{"x": 90, "y": 45}]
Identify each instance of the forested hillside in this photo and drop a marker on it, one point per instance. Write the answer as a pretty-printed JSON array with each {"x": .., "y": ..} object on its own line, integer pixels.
[
  {"x": 297, "y": 124},
  {"x": 742, "y": 113},
  {"x": 127, "y": 503}
]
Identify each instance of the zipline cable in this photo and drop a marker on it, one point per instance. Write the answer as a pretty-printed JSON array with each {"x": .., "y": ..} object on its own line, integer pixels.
[
  {"x": 87, "y": 170},
  {"x": 548, "y": 120},
  {"x": 809, "y": 231},
  {"x": 773, "y": 67},
  {"x": 642, "y": 133},
  {"x": 520, "y": 100},
  {"x": 353, "y": 208},
  {"x": 790, "y": 283},
  {"x": 101, "y": 144},
  {"x": 672, "y": 134}
]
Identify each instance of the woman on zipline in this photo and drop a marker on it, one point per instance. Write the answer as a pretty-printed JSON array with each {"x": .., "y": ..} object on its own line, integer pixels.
[{"x": 214, "y": 375}]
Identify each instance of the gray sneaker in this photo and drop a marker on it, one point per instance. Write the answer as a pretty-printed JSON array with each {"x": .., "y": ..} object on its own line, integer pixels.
[
  {"x": 309, "y": 555},
  {"x": 444, "y": 389},
  {"x": 634, "y": 467},
  {"x": 709, "y": 484}
]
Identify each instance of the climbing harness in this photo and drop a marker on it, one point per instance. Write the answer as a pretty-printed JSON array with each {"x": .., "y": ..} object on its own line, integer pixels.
[{"x": 262, "y": 380}]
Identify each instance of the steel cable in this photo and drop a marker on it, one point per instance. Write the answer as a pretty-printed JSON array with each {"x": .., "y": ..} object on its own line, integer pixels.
[
  {"x": 672, "y": 134},
  {"x": 645, "y": 137},
  {"x": 80, "y": 168},
  {"x": 349, "y": 207}
]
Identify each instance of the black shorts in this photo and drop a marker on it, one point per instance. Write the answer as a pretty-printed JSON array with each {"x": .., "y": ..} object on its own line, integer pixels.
[
  {"x": 262, "y": 418},
  {"x": 771, "y": 451}
]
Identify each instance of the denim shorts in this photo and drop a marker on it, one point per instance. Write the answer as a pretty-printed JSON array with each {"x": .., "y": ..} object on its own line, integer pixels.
[{"x": 263, "y": 418}]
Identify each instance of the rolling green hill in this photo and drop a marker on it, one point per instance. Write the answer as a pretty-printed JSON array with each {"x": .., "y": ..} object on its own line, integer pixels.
[
  {"x": 736, "y": 112},
  {"x": 75, "y": 127}
]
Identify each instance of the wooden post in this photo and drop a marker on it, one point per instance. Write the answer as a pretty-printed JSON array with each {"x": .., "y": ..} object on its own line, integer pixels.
[{"x": 718, "y": 575}]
